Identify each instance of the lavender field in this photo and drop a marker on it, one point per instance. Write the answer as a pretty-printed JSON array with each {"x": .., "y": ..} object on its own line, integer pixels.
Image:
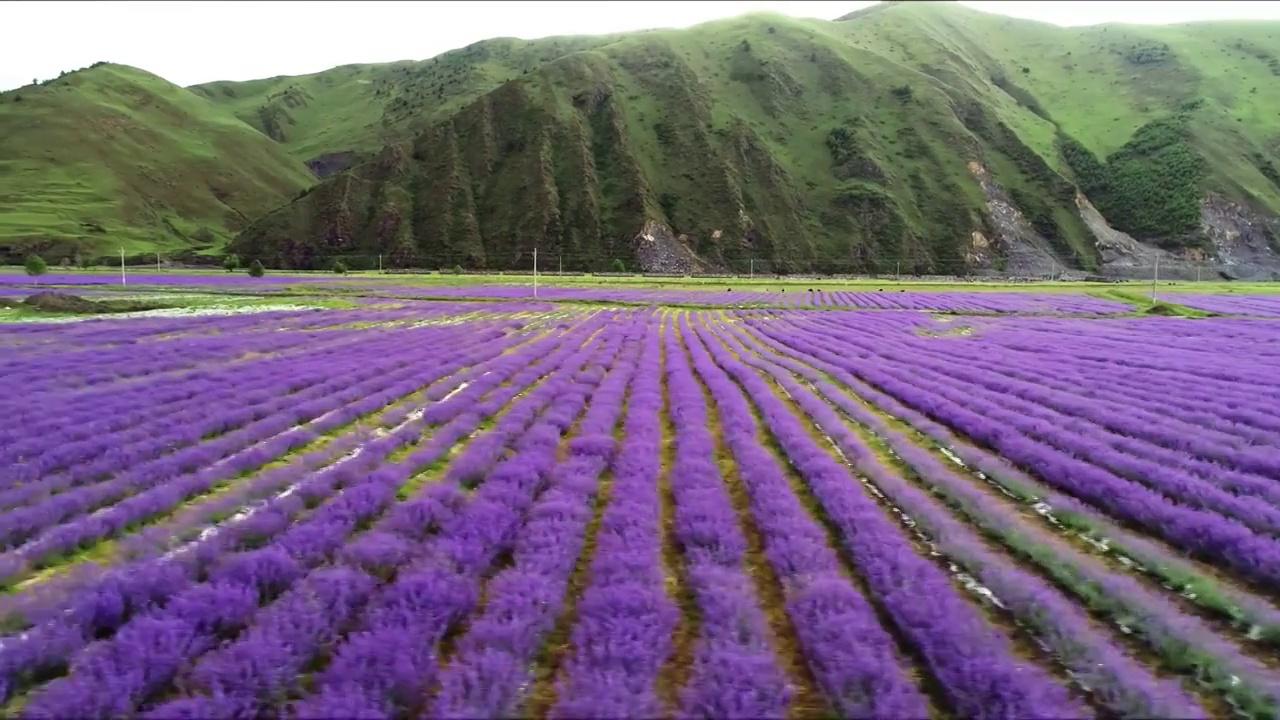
[
  {"x": 723, "y": 294},
  {"x": 514, "y": 508},
  {"x": 1260, "y": 305}
]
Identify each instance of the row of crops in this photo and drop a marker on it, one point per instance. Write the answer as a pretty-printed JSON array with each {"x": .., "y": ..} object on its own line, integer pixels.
[
  {"x": 786, "y": 295},
  {"x": 513, "y": 509}
]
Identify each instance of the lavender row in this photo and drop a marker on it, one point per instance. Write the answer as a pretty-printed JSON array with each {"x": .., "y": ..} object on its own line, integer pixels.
[
  {"x": 1203, "y": 534},
  {"x": 116, "y": 358},
  {"x": 1098, "y": 351},
  {"x": 131, "y": 589},
  {"x": 484, "y": 398},
  {"x": 1146, "y": 393},
  {"x": 491, "y": 671},
  {"x": 78, "y": 403},
  {"x": 386, "y": 665},
  {"x": 1156, "y": 398},
  {"x": 152, "y": 487},
  {"x": 59, "y": 462},
  {"x": 498, "y": 359},
  {"x": 303, "y": 545},
  {"x": 488, "y": 449},
  {"x": 530, "y": 360},
  {"x": 1186, "y": 361},
  {"x": 1171, "y": 632},
  {"x": 1180, "y": 475},
  {"x": 954, "y": 301},
  {"x": 1239, "y": 607},
  {"x": 121, "y": 595},
  {"x": 264, "y": 666},
  {"x": 1122, "y": 344},
  {"x": 78, "y": 417},
  {"x": 76, "y": 339},
  {"x": 381, "y": 350},
  {"x": 261, "y": 392},
  {"x": 735, "y": 671},
  {"x": 852, "y": 656},
  {"x": 625, "y": 620},
  {"x": 1262, "y": 305},
  {"x": 973, "y": 662},
  {"x": 76, "y": 410},
  {"x": 1233, "y": 407},
  {"x": 1128, "y": 463},
  {"x": 1117, "y": 683},
  {"x": 1234, "y": 603},
  {"x": 454, "y": 417},
  {"x": 1151, "y": 427}
]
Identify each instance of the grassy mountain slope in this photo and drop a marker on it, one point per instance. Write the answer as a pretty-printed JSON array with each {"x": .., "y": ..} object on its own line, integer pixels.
[
  {"x": 1197, "y": 91},
  {"x": 723, "y": 140},
  {"x": 869, "y": 142},
  {"x": 112, "y": 156},
  {"x": 357, "y": 109}
]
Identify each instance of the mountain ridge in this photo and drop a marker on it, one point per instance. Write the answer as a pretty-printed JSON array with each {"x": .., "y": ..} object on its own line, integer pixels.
[
  {"x": 112, "y": 157},
  {"x": 913, "y": 137},
  {"x": 970, "y": 98}
]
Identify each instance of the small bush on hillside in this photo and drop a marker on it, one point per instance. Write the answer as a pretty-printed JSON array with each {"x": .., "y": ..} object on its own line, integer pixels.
[
  {"x": 231, "y": 263},
  {"x": 36, "y": 265},
  {"x": 457, "y": 269},
  {"x": 619, "y": 266},
  {"x": 339, "y": 267},
  {"x": 256, "y": 269}
]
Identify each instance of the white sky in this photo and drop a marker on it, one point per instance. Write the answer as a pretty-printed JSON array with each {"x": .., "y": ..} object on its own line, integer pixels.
[{"x": 195, "y": 42}]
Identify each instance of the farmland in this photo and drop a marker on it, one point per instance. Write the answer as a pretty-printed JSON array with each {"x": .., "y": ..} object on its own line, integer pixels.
[{"x": 394, "y": 498}]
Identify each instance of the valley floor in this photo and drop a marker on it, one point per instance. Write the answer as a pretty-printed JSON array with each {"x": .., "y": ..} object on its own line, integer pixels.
[{"x": 322, "y": 496}]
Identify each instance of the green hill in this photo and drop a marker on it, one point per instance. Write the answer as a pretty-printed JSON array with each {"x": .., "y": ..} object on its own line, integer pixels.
[
  {"x": 354, "y": 110},
  {"x": 112, "y": 156},
  {"x": 916, "y": 137},
  {"x": 925, "y": 136}
]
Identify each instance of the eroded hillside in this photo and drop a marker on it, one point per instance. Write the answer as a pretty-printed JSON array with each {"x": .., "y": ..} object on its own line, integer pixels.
[{"x": 920, "y": 137}]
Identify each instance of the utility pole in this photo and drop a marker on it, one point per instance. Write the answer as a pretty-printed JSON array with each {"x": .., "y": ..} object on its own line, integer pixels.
[
  {"x": 753, "y": 268},
  {"x": 379, "y": 263},
  {"x": 560, "y": 264},
  {"x": 157, "y": 262},
  {"x": 122, "y": 280},
  {"x": 535, "y": 272},
  {"x": 897, "y": 271},
  {"x": 1198, "y": 273},
  {"x": 1155, "y": 275}
]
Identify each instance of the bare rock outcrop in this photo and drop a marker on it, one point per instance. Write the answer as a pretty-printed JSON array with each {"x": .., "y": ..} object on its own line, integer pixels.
[
  {"x": 660, "y": 251},
  {"x": 1025, "y": 250},
  {"x": 1241, "y": 243},
  {"x": 1244, "y": 240}
]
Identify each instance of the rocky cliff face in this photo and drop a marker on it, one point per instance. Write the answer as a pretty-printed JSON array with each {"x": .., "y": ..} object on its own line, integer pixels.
[
  {"x": 1015, "y": 247},
  {"x": 657, "y": 250},
  {"x": 1245, "y": 242},
  {"x": 1242, "y": 245}
]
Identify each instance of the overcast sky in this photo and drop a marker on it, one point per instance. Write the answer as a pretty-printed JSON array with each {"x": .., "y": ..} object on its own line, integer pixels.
[{"x": 195, "y": 42}]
